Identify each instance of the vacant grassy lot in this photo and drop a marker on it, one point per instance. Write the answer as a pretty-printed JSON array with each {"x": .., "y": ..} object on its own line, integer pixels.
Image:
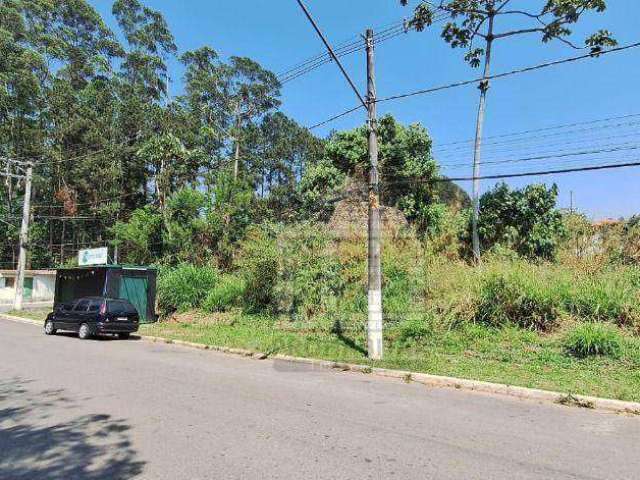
[{"x": 508, "y": 355}]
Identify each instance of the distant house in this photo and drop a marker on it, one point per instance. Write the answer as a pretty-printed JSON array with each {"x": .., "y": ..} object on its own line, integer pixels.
[{"x": 39, "y": 285}]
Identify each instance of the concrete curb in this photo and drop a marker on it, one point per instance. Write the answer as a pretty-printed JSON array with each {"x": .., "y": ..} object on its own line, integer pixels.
[{"x": 595, "y": 403}]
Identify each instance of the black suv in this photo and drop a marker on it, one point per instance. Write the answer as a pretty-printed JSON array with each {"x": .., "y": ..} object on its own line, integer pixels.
[{"x": 93, "y": 316}]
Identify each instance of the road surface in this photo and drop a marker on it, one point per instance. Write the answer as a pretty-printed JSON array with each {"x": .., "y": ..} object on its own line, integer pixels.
[{"x": 110, "y": 409}]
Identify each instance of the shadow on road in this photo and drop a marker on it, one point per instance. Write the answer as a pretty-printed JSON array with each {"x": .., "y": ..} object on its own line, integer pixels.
[{"x": 35, "y": 444}]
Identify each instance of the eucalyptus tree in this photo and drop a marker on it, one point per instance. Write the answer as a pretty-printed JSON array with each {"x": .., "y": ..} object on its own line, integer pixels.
[
  {"x": 205, "y": 100},
  {"x": 142, "y": 84},
  {"x": 476, "y": 25},
  {"x": 251, "y": 92},
  {"x": 150, "y": 43}
]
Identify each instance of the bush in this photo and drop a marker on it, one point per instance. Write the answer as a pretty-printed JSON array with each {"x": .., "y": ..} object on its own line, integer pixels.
[
  {"x": 415, "y": 329},
  {"x": 291, "y": 270},
  {"x": 519, "y": 299},
  {"x": 227, "y": 293},
  {"x": 184, "y": 287},
  {"x": 590, "y": 339},
  {"x": 259, "y": 265}
]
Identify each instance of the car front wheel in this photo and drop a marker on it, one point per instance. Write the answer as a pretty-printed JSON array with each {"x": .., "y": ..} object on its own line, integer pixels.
[
  {"x": 49, "y": 328},
  {"x": 84, "y": 333}
]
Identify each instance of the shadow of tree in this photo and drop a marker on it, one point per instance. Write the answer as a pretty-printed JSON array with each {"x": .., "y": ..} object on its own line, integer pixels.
[{"x": 33, "y": 446}]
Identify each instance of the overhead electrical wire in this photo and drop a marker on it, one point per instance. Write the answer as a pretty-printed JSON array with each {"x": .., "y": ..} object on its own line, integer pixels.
[
  {"x": 544, "y": 129},
  {"x": 537, "y": 146},
  {"x": 618, "y": 148},
  {"x": 548, "y": 138},
  {"x": 348, "y": 49},
  {"x": 481, "y": 79},
  {"x": 517, "y": 174}
]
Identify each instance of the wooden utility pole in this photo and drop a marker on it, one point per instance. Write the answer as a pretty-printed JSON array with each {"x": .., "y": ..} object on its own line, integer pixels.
[
  {"x": 374, "y": 324},
  {"x": 24, "y": 239}
]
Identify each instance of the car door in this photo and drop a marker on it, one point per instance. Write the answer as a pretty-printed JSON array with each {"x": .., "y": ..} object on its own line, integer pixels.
[
  {"x": 94, "y": 310},
  {"x": 63, "y": 315},
  {"x": 78, "y": 314}
]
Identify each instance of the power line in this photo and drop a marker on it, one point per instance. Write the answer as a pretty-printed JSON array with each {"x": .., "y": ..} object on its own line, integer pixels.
[
  {"x": 507, "y": 74},
  {"x": 340, "y": 115},
  {"x": 353, "y": 47},
  {"x": 106, "y": 200},
  {"x": 478, "y": 80},
  {"x": 544, "y": 129},
  {"x": 535, "y": 147},
  {"x": 561, "y": 155},
  {"x": 326, "y": 57},
  {"x": 326, "y": 44},
  {"x": 350, "y": 42},
  {"x": 356, "y": 47},
  {"x": 523, "y": 140},
  {"x": 520, "y": 174}
]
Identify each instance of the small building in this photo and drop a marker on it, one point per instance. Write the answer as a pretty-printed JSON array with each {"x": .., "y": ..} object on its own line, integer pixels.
[
  {"x": 135, "y": 284},
  {"x": 39, "y": 286}
]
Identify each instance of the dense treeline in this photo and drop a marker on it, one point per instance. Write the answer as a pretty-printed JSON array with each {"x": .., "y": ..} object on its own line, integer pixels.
[
  {"x": 94, "y": 114},
  {"x": 171, "y": 179},
  {"x": 174, "y": 179}
]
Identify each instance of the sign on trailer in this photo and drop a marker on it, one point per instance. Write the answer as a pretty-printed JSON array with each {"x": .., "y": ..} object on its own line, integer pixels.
[{"x": 93, "y": 256}]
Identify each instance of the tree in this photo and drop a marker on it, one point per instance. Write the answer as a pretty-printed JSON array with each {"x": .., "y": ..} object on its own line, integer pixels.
[
  {"x": 205, "y": 100},
  {"x": 140, "y": 239},
  {"x": 150, "y": 42},
  {"x": 474, "y": 21},
  {"x": 172, "y": 165},
  {"x": 319, "y": 189},
  {"x": 405, "y": 162},
  {"x": 250, "y": 91},
  {"x": 526, "y": 220}
]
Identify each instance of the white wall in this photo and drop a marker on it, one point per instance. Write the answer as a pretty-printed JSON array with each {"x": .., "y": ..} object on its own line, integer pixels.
[{"x": 43, "y": 289}]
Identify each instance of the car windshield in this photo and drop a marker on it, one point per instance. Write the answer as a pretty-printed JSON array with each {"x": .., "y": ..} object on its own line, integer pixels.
[{"x": 120, "y": 307}]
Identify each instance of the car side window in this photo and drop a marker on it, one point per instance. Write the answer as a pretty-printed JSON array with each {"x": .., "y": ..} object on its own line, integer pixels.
[
  {"x": 94, "y": 306},
  {"x": 81, "y": 306}
]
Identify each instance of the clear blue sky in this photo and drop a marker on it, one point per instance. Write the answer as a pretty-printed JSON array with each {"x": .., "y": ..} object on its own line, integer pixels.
[{"x": 275, "y": 33}]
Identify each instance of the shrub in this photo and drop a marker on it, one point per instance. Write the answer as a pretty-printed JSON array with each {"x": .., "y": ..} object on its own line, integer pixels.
[
  {"x": 415, "y": 329},
  {"x": 227, "y": 293},
  {"x": 184, "y": 287},
  {"x": 291, "y": 270},
  {"x": 519, "y": 299},
  {"x": 259, "y": 265},
  {"x": 590, "y": 339}
]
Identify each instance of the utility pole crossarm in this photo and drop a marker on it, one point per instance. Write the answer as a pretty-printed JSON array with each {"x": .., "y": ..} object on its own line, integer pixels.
[{"x": 331, "y": 52}]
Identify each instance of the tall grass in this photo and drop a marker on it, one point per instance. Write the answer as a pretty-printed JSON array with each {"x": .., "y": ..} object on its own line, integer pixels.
[
  {"x": 184, "y": 287},
  {"x": 590, "y": 339}
]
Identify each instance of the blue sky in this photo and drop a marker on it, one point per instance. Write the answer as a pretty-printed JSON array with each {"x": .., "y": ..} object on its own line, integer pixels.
[{"x": 275, "y": 33}]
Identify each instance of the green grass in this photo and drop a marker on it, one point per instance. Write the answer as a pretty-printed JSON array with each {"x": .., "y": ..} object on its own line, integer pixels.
[
  {"x": 39, "y": 314},
  {"x": 508, "y": 355}
]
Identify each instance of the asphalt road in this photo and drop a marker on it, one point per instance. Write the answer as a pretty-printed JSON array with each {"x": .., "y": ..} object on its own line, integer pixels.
[{"x": 111, "y": 409}]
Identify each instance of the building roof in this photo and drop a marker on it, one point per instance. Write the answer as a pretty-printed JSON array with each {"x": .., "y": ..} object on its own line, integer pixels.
[{"x": 112, "y": 267}]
